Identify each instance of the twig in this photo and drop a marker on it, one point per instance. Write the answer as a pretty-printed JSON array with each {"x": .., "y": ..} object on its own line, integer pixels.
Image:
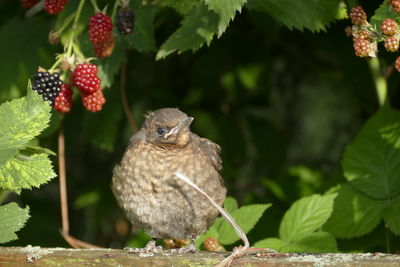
[
  {"x": 74, "y": 242},
  {"x": 124, "y": 100},
  {"x": 236, "y": 251},
  {"x": 63, "y": 180}
]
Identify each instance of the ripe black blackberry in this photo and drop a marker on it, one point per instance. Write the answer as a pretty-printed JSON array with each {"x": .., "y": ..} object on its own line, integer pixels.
[
  {"x": 48, "y": 85},
  {"x": 125, "y": 21}
]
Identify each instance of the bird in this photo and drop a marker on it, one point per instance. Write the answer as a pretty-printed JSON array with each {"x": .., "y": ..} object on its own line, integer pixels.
[{"x": 147, "y": 189}]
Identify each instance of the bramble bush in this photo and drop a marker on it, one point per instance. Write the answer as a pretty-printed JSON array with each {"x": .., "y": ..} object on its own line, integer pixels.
[{"x": 307, "y": 129}]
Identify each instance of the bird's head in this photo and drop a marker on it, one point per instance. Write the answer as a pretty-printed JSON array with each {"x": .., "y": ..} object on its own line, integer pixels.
[{"x": 167, "y": 127}]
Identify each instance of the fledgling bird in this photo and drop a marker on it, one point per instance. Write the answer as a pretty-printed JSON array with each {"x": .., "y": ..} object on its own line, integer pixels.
[{"x": 147, "y": 189}]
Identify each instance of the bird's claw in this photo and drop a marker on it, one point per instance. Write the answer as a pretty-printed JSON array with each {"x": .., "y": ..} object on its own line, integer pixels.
[
  {"x": 189, "y": 248},
  {"x": 149, "y": 248}
]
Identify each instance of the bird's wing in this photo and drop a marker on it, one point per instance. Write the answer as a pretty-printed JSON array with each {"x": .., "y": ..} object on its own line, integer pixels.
[{"x": 210, "y": 150}]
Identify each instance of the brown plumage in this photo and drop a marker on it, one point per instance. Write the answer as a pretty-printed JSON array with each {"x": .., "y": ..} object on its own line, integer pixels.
[{"x": 145, "y": 184}]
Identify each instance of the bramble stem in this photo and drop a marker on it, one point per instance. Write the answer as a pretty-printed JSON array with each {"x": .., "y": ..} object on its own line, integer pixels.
[
  {"x": 63, "y": 180},
  {"x": 379, "y": 80}
]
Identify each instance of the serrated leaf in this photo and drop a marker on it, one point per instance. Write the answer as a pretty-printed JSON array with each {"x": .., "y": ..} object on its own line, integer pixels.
[
  {"x": 305, "y": 216},
  {"x": 354, "y": 214},
  {"x": 226, "y": 9},
  {"x": 314, "y": 15},
  {"x": 12, "y": 219},
  {"x": 246, "y": 217},
  {"x": 273, "y": 243},
  {"x": 22, "y": 119},
  {"x": 230, "y": 204},
  {"x": 391, "y": 216},
  {"x": 142, "y": 38},
  {"x": 198, "y": 27},
  {"x": 383, "y": 12},
  {"x": 319, "y": 242},
  {"x": 372, "y": 161},
  {"x": 24, "y": 172}
]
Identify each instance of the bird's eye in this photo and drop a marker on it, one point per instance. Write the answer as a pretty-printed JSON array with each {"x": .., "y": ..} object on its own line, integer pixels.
[{"x": 160, "y": 130}]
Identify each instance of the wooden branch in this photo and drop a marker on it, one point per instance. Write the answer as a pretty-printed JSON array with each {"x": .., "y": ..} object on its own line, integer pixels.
[{"x": 36, "y": 256}]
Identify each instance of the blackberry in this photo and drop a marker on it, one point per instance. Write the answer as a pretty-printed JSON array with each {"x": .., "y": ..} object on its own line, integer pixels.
[
  {"x": 391, "y": 44},
  {"x": 93, "y": 102},
  {"x": 125, "y": 21},
  {"x": 54, "y": 6},
  {"x": 63, "y": 101},
  {"x": 29, "y": 3},
  {"x": 395, "y": 5},
  {"x": 101, "y": 35},
  {"x": 48, "y": 85},
  {"x": 85, "y": 78},
  {"x": 389, "y": 27},
  {"x": 358, "y": 15},
  {"x": 362, "y": 47}
]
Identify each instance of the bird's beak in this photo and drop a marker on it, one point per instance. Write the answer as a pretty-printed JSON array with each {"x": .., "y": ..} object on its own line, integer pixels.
[{"x": 183, "y": 123}]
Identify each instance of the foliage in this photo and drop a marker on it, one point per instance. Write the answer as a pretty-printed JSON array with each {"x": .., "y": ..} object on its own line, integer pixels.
[
  {"x": 22, "y": 166},
  {"x": 246, "y": 217},
  {"x": 300, "y": 229},
  {"x": 274, "y": 83}
]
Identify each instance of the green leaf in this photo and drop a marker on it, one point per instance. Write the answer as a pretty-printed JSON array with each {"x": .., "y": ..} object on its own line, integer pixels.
[
  {"x": 23, "y": 172},
  {"x": 6, "y": 154},
  {"x": 181, "y": 6},
  {"x": 12, "y": 219},
  {"x": 246, "y": 217},
  {"x": 306, "y": 216},
  {"x": 230, "y": 204},
  {"x": 21, "y": 120},
  {"x": 383, "y": 12},
  {"x": 391, "y": 216},
  {"x": 314, "y": 15},
  {"x": 272, "y": 243},
  {"x": 226, "y": 9},
  {"x": 319, "y": 242},
  {"x": 198, "y": 27},
  {"x": 142, "y": 38},
  {"x": 372, "y": 161},
  {"x": 354, "y": 214}
]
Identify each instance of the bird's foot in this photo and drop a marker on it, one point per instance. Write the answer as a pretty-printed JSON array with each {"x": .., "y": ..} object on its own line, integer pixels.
[
  {"x": 149, "y": 248},
  {"x": 189, "y": 248}
]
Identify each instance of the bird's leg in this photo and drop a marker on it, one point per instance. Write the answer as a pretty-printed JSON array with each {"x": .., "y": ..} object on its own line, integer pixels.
[
  {"x": 149, "y": 248},
  {"x": 189, "y": 248}
]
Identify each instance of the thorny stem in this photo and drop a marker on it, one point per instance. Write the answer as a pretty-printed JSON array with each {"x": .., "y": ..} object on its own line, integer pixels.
[
  {"x": 124, "y": 100},
  {"x": 379, "y": 80},
  {"x": 63, "y": 180}
]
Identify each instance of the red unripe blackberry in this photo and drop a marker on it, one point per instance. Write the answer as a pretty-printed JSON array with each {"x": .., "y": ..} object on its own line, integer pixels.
[
  {"x": 389, "y": 27},
  {"x": 363, "y": 34},
  {"x": 358, "y": 16},
  {"x": 362, "y": 47},
  {"x": 93, "y": 102},
  {"x": 395, "y": 5},
  {"x": 63, "y": 101},
  {"x": 84, "y": 77},
  {"x": 391, "y": 44},
  {"x": 397, "y": 64},
  {"x": 54, "y": 6},
  {"x": 100, "y": 26},
  {"x": 105, "y": 48},
  {"x": 47, "y": 85},
  {"x": 29, "y": 3},
  {"x": 125, "y": 21}
]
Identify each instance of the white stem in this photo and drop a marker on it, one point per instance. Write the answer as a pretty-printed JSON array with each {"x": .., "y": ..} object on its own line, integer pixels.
[{"x": 223, "y": 212}]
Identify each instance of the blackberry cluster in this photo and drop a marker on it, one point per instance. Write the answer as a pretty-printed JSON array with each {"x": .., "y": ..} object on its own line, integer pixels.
[
  {"x": 47, "y": 85},
  {"x": 85, "y": 78},
  {"x": 125, "y": 21},
  {"x": 100, "y": 34}
]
